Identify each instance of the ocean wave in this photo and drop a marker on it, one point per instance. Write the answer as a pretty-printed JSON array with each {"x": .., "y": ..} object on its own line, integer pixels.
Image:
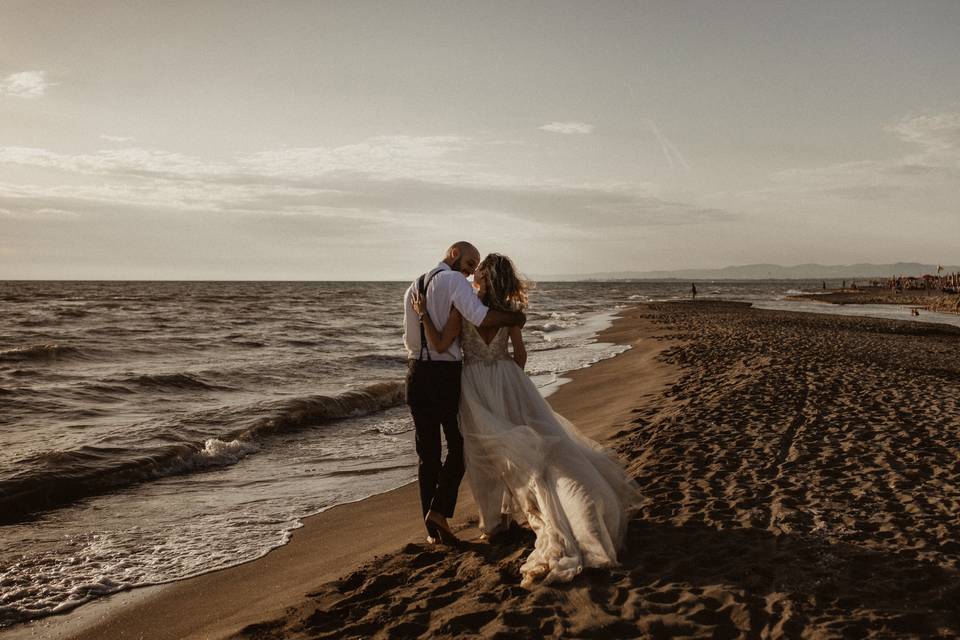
[
  {"x": 72, "y": 312},
  {"x": 40, "y": 352},
  {"x": 549, "y": 346},
  {"x": 311, "y": 410},
  {"x": 39, "y": 321},
  {"x": 24, "y": 373},
  {"x": 368, "y": 471},
  {"x": 379, "y": 359},
  {"x": 157, "y": 382},
  {"x": 56, "y": 478},
  {"x": 546, "y": 327},
  {"x": 302, "y": 343},
  {"x": 112, "y": 330},
  {"x": 175, "y": 381}
]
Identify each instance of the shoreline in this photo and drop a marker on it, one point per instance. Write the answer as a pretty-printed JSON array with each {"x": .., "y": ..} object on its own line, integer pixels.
[
  {"x": 220, "y": 603},
  {"x": 862, "y": 309},
  {"x": 930, "y": 300}
]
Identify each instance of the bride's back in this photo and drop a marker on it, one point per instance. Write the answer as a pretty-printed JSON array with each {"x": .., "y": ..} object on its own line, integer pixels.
[
  {"x": 479, "y": 348},
  {"x": 488, "y": 333}
]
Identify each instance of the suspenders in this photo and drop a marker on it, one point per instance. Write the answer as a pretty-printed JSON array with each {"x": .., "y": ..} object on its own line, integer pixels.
[{"x": 422, "y": 283}]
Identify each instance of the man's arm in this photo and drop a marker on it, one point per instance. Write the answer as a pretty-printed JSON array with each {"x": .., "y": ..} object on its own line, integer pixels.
[
  {"x": 476, "y": 313},
  {"x": 496, "y": 318}
]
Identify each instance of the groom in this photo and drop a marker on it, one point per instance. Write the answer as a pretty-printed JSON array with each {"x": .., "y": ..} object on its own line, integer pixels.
[{"x": 433, "y": 380}]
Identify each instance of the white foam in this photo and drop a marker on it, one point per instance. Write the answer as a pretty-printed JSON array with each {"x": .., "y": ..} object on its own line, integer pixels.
[
  {"x": 219, "y": 452},
  {"x": 573, "y": 347}
]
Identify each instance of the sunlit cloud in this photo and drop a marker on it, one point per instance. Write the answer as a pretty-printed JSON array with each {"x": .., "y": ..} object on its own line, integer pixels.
[
  {"x": 25, "y": 84},
  {"x": 110, "y": 138},
  {"x": 37, "y": 213},
  {"x": 386, "y": 156},
  {"x": 127, "y": 161},
  {"x": 380, "y": 177},
  {"x": 568, "y": 127}
]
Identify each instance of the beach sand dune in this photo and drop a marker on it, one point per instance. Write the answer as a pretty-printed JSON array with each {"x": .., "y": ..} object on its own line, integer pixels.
[{"x": 801, "y": 478}]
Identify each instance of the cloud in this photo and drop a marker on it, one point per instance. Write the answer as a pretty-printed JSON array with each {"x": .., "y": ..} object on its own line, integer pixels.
[
  {"x": 110, "y": 138},
  {"x": 934, "y": 133},
  {"x": 928, "y": 174},
  {"x": 25, "y": 84},
  {"x": 35, "y": 212},
  {"x": 130, "y": 161},
  {"x": 600, "y": 207},
  {"x": 866, "y": 208},
  {"x": 375, "y": 179},
  {"x": 568, "y": 127},
  {"x": 393, "y": 156}
]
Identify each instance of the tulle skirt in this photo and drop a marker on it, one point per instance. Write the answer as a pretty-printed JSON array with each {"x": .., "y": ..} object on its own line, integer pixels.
[{"x": 526, "y": 463}]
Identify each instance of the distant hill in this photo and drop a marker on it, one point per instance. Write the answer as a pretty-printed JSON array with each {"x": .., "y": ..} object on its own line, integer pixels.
[{"x": 767, "y": 272}]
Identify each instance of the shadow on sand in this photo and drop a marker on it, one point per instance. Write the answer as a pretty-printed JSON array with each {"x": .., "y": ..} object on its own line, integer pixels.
[{"x": 691, "y": 581}]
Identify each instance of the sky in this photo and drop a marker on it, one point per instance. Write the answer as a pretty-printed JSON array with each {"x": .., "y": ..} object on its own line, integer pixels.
[{"x": 356, "y": 140}]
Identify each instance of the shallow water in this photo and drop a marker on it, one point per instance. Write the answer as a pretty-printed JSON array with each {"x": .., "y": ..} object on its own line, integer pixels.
[{"x": 885, "y": 311}]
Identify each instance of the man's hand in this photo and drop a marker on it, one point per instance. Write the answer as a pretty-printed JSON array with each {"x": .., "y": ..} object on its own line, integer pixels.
[{"x": 416, "y": 301}]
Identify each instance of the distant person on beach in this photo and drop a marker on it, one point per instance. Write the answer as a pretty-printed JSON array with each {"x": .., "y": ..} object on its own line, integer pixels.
[
  {"x": 433, "y": 379},
  {"x": 693, "y": 290},
  {"x": 524, "y": 462}
]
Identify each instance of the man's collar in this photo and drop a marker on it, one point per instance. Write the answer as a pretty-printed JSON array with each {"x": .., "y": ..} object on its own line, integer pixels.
[{"x": 443, "y": 266}]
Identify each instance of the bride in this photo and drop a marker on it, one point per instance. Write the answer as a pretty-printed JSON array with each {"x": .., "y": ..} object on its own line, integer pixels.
[{"x": 524, "y": 462}]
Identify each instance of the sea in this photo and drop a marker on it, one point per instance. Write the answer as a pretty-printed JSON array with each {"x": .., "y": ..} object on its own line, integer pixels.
[{"x": 153, "y": 431}]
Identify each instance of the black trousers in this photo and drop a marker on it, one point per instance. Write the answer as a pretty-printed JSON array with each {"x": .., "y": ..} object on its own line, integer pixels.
[{"x": 433, "y": 394}]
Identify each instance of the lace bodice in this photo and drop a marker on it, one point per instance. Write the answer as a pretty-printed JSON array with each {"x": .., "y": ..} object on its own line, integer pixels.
[{"x": 476, "y": 350}]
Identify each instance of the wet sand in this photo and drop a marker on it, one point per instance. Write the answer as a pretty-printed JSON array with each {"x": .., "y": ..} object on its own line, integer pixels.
[
  {"x": 930, "y": 300},
  {"x": 800, "y": 474}
]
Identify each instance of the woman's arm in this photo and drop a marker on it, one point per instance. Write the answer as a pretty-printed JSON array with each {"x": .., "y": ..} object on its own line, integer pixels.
[
  {"x": 439, "y": 341},
  {"x": 519, "y": 351}
]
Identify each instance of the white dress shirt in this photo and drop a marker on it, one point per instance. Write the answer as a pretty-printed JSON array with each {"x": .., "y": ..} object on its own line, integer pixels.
[{"x": 447, "y": 288}]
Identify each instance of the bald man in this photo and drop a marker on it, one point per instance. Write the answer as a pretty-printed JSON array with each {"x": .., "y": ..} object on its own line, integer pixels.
[{"x": 433, "y": 380}]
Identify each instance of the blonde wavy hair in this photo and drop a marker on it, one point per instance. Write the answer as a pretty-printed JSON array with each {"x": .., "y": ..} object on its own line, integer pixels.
[{"x": 502, "y": 287}]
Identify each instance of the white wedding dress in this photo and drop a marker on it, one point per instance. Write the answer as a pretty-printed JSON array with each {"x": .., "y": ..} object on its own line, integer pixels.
[{"x": 528, "y": 463}]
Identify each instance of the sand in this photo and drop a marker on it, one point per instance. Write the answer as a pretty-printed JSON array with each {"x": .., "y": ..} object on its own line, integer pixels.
[{"x": 800, "y": 474}]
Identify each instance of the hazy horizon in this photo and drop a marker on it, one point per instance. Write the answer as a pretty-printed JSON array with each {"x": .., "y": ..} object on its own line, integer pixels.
[
  {"x": 560, "y": 277},
  {"x": 355, "y": 141}
]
